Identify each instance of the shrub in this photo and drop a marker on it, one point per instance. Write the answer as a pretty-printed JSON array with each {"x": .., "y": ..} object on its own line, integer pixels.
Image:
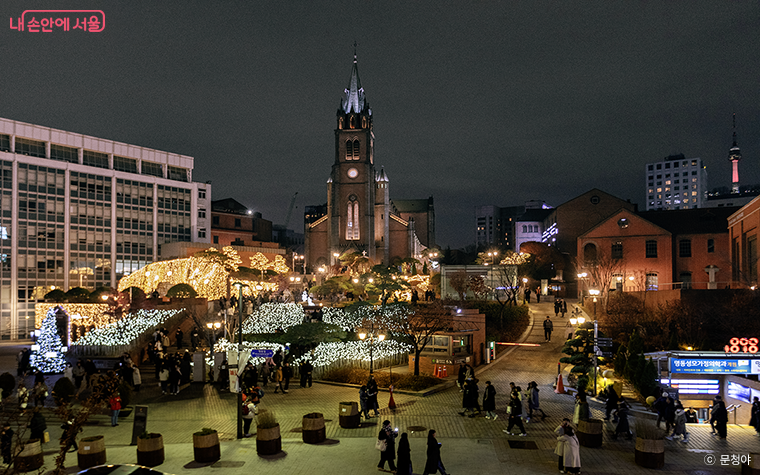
[
  {"x": 182, "y": 291},
  {"x": 63, "y": 391},
  {"x": 266, "y": 420},
  {"x": 205, "y": 431},
  {"x": 78, "y": 295},
  {"x": 149, "y": 435},
  {"x": 55, "y": 295},
  {"x": 503, "y": 323},
  {"x": 360, "y": 376}
]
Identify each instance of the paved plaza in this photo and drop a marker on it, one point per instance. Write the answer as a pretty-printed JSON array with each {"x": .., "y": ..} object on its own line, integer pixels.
[{"x": 470, "y": 445}]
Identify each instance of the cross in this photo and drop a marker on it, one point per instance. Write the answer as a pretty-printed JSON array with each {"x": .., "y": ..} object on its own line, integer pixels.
[{"x": 364, "y": 253}]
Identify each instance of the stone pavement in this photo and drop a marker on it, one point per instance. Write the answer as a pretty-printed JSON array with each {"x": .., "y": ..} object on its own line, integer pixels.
[{"x": 470, "y": 446}]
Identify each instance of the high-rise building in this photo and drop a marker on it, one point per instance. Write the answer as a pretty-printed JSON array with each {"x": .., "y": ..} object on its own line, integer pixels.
[
  {"x": 676, "y": 182},
  {"x": 80, "y": 211}
]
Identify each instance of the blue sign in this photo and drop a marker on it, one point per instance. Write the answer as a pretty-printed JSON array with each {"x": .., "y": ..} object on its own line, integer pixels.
[
  {"x": 712, "y": 366},
  {"x": 737, "y": 391},
  {"x": 257, "y": 353}
]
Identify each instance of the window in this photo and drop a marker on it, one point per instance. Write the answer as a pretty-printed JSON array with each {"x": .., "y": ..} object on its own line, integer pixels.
[
  {"x": 64, "y": 154},
  {"x": 617, "y": 250},
  {"x": 201, "y": 213},
  {"x": 684, "y": 248},
  {"x": 651, "y": 249},
  {"x": 711, "y": 245},
  {"x": 525, "y": 228},
  {"x": 5, "y": 143},
  {"x": 152, "y": 169},
  {"x": 352, "y": 220},
  {"x": 216, "y": 239},
  {"x": 202, "y": 233},
  {"x": 177, "y": 173},
  {"x": 95, "y": 159},
  {"x": 589, "y": 252},
  {"x": 34, "y": 148},
  {"x": 237, "y": 223},
  {"x": 215, "y": 220},
  {"x": 652, "y": 282},
  {"x": 685, "y": 279},
  {"x": 352, "y": 150},
  {"x": 125, "y": 164},
  {"x": 201, "y": 194}
]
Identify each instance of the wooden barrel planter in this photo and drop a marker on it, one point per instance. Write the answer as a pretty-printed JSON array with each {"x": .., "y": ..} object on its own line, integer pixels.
[
  {"x": 92, "y": 451},
  {"x": 313, "y": 428},
  {"x": 753, "y": 467},
  {"x": 348, "y": 415},
  {"x": 150, "y": 451},
  {"x": 590, "y": 432},
  {"x": 650, "y": 453},
  {"x": 206, "y": 447},
  {"x": 268, "y": 440},
  {"x": 30, "y": 459}
]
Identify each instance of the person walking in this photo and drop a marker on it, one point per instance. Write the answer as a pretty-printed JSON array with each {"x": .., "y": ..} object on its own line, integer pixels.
[
  {"x": 720, "y": 414},
  {"x": 714, "y": 406},
  {"x": 461, "y": 376},
  {"x": 364, "y": 401},
  {"x": 372, "y": 395},
  {"x": 515, "y": 416},
  {"x": 389, "y": 454},
  {"x": 433, "y": 463},
  {"x": 136, "y": 378},
  {"x": 179, "y": 336},
  {"x": 612, "y": 402},
  {"x": 115, "y": 404},
  {"x": 755, "y": 419},
  {"x": 249, "y": 411},
  {"x": 557, "y": 306},
  {"x": 280, "y": 377},
  {"x": 560, "y": 450},
  {"x": 623, "y": 425},
  {"x": 548, "y": 327},
  {"x": 533, "y": 404},
  {"x": 564, "y": 308},
  {"x": 470, "y": 398},
  {"x": 679, "y": 424},
  {"x": 37, "y": 426},
  {"x": 287, "y": 373},
  {"x": 404, "y": 461},
  {"x": 538, "y": 294},
  {"x": 40, "y": 393},
  {"x": 526, "y": 295},
  {"x": 489, "y": 401},
  {"x": 571, "y": 456}
]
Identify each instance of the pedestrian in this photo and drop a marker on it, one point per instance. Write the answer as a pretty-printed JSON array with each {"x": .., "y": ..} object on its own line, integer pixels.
[
  {"x": 548, "y": 327},
  {"x": 388, "y": 435},
  {"x": 163, "y": 377},
  {"x": 461, "y": 376},
  {"x": 37, "y": 426},
  {"x": 526, "y": 295},
  {"x": 571, "y": 456},
  {"x": 78, "y": 373},
  {"x": 136, "y": 378},
  {"x": 623, "y": 425},
  {"x": 69, "y": 433},
  {"x": 265, "y": 373},
  {"x": 174, "y": 377},
  {"x": 372, "y": 395},
  {"x": 280, "y": 377},
  {"x": 661, "y": 406},
  {"x": 23, "y": 396},
  {"x": 489, "y": 401},
  {"x": 470, "y": 398},
  {"x": 515, "y": 416},
  {"x": 194, "y": 338},
  {"x": 433, "y": 463},
  {"x": 564, "y": 307},
  {"x": 533, "y": 404},
  {"x": 179, "y": 336},
  {"x": 691, "y": 416},
  {"x": 679, "y": 424},
  {"x": 404, "y": 465},
  {"x": 755, "y": 419},
  {"x": 720, "y": 415},
  {"x": 287, "y": 373},
  {"x": 308, "y": 368},
  {"x": 612, "y": 402},
  {"x": 538, "y": 294},
  {"x": 582, "y": 411},
  {"x": 6, "y": 443},
  {"x": 115, "y": 405},
  {"x": 40, "y": 393},
  {"x": 560, "y": 450},
  {"x": 557, "y": 306},
  {"x": 714, "y": 406},
  {"x": 249, "y": 411},
  {"x": 364, "y": 401}
]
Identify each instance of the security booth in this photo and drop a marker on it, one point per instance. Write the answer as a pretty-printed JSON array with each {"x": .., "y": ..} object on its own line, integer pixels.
[
  {"x": 698, "y": 376},
  {"x": 463, "y": 342}
]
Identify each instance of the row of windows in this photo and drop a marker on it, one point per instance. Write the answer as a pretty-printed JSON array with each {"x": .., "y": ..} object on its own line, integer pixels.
[
  {"x": 685, "y": 163},
  {"x": 352, "y": 150},
  {"x": 530, "y": 228},
  {"x": 616, "y": 252}
]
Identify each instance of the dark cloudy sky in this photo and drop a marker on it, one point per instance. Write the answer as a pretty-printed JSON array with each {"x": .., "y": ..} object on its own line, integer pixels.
[{"x": 475, "y": 103}]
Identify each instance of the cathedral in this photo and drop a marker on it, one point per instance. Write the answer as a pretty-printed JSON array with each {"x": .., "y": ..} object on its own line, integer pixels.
[{"x": 359, "y": 215}]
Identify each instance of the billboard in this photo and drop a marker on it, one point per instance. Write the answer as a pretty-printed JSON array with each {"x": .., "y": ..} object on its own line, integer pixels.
[{"x": 714, "y": 366}]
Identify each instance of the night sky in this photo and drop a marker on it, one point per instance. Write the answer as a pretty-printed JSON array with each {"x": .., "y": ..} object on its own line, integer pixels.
[{"x": 475, "y": 103}]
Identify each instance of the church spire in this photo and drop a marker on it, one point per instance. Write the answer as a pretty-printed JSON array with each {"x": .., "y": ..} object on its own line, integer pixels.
[{"x": 353, "y": 100}]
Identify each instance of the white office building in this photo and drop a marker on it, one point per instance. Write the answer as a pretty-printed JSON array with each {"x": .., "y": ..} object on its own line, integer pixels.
[
  {"x": 83, "y": 211},
  {"x": 676, "y": 182}
]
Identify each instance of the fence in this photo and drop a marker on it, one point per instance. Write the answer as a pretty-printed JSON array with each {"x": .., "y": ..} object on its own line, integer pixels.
[{"x": 397, "y": 359}]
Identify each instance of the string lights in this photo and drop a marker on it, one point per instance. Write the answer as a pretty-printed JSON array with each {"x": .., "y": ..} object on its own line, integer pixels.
[{"x": 128, "y": 329}]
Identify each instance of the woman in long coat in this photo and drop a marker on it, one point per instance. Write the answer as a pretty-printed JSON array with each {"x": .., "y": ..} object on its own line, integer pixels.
[
  {"x": 489, "y": 401},
  {"x": 389, "y": 454},
  {"x": 404, "y": 466},
  {"x": 572, "y": 454},
  {"x": 434, "y": 463}
]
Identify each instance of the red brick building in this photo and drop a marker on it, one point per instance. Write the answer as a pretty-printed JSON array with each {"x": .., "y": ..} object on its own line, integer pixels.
[
  {"x": 234, "y": 224},
  {"x": 742, "y": 228},
  {"x": 661, "y": 250}
]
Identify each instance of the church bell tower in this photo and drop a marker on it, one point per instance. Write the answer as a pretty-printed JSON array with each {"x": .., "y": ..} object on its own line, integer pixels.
[{"x": 351, "y": 187}]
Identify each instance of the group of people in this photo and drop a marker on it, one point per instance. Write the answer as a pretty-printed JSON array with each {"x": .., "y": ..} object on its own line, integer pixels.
[
  {"x": 368, "y": 397},
  {"x": 386, "y": 443}
]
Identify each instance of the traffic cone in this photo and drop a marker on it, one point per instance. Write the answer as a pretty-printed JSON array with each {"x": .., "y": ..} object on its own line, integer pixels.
[
  {"x": 391, "y": 402},
  {"x": 560, "y": 387}
]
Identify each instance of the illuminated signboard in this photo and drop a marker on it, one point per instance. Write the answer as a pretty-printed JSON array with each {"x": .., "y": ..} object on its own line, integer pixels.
[
  {"x": 741, "y": 345},
  {"x": 694, "y": 386},
  {"x": 713, "y": 366},
  {"x": 737, "y": 391}
]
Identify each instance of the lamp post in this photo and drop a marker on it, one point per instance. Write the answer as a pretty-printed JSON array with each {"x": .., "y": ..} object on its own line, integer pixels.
[
  {"x": 240, "y": 286},
  {"x": 581, "y": 276},
  {"x": 594, "y": 293},
  {"x": 373, "y": 338}
]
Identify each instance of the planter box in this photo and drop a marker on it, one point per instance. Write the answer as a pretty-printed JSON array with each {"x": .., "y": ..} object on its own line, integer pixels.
[
  {"x": 92, "y": 451},
  {"x": 150, "y": 452},
  {"x": 590, "y": 432},
  {"x": 650, "y": 453},
  {"x": 313, "y": 428},
  {"x": 268, "y": 441},
  {"x": 206, "y": 448},
  {"x": 30, "y": 459},
  {"x": 348, "y": 415}
]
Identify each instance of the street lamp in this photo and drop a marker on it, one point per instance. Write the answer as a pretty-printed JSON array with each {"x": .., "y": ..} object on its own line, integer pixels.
[
  {"x": 594, "y": 293},
  {"x": 297, "y": 257},
  {"x": 581, "y": 276},
  {"x": 372, "y": 338},
  {"x": 240, "y": 286}
]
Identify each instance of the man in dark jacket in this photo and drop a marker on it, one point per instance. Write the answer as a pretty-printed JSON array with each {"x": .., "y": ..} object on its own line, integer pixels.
[
  {"x": 548, "y": 327},
  {"x": 612, "y": 402},
  {"x": 287, "y": 373}
]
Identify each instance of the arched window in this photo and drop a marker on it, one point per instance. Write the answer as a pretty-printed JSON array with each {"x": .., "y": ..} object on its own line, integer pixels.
[
  {"x": 351, "y": 123},
  {"x": 589, "y": 252},
  {"x": 617, "y": 250},
  {"x": 352, "y": 220},
  {"x": 356, "y": 150},
  {"x": 525, "y": 228},
  {"x": 364, "y": 122},
  {"x": 340, "y": 123},
  {"x": 349, "y": 149}
]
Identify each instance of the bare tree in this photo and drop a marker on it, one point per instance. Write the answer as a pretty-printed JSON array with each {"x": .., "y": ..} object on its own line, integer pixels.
[
  {"x": 459, "y": 282},
  {"x": 601, "y": 269}
]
